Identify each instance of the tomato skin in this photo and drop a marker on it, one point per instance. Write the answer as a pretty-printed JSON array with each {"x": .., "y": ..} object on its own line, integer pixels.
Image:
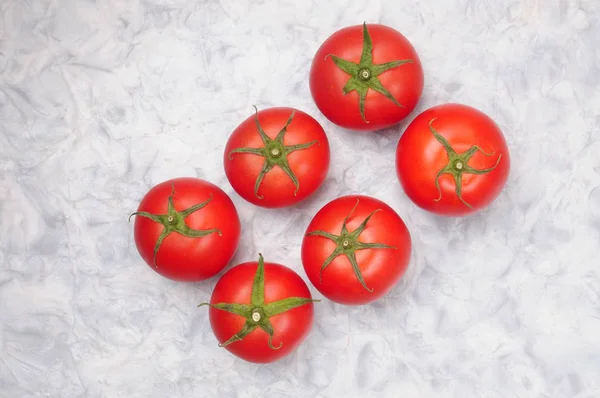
[
  {"x": 381, "y": 268},
  {"x": 405, "y": 82},
  {"x": 310, "y": 165},
  {"x": 291, "y": 327},
  {"x": 183, "y": 258},
  {"x": 419, "y": 157}
]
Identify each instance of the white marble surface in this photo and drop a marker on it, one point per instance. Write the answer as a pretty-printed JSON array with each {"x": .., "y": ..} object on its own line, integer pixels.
[{"x": 101, "y": 99}]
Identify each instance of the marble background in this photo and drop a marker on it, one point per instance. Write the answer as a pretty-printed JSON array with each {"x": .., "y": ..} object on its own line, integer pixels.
[{"x": 102, "y": 99}]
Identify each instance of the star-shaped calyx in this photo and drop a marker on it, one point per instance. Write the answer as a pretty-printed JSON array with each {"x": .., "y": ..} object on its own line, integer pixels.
[
  {"x": 275, "y": 153},
  {"x": 348, "y": 244},
  {"x": 458, "y": 164},
  {"x": 174, "y": 221},
  {"x": 258, "y": 314},
  {"x": 364, "y": 75}
]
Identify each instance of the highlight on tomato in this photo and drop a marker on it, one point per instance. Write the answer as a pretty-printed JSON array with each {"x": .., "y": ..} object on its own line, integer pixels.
[
  {"x": 366, "y": 77},
  {"x": 277, "y": 157},
  {"x": 261, "y": 311},
  {"x": 356, "y": 248},
  {"x": 186, "y": 229},
  {"x": 452, "y": 160}
]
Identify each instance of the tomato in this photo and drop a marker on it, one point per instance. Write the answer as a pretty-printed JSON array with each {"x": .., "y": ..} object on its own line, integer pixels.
[
  {"x": 355, "y": 250},
  {"x": 277, "y": 157},
  {"x": 186, "y": 229},
  {"x": 261, "y": 311},
  {"x": 366, "y": 77},
  {"x": 452, "y": 160}
]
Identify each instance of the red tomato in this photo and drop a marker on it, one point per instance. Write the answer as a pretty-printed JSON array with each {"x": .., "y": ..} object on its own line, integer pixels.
[
  {"x": 261, "y": 311},
  {"x": 277, "y": 157},
  {"x": 187, "y": 229},
  {"x": 355, "y": 249},
  {"x": 366, "y": 77},
  {"x": 452, "y": 160}
]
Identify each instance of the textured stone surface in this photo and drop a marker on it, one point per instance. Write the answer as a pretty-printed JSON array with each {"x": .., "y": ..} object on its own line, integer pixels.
[{"x": 101, "y": 99}]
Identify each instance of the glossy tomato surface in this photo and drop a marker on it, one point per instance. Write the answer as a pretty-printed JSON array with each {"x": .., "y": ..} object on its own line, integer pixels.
[
  {"x": 180, "y": 257},
  {"x": 290, "y": 328},
  {"x": 381, "y": 268},
  {"x": 303, "y": 154},
  {"x": 476, "y": 156},
  {"x": 329, "y": 84}
]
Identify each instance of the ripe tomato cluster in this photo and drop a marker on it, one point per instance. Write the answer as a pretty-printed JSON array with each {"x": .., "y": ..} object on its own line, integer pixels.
[{"x": 451, "y": 160}]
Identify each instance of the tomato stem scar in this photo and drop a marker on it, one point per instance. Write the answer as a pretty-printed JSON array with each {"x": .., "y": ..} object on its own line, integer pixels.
[
  {"x": 258, "y": 314},
  {"x": 348, "y": 244},
  {"x": 458, "y": 164},
  {"x": 174, "y": 221},
  {"x": 364, "y": 74},
  {"x": 275, "y": 153}
]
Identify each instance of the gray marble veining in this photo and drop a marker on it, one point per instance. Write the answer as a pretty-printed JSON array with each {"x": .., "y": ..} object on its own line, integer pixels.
[{"x": 102, "y": 99}]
